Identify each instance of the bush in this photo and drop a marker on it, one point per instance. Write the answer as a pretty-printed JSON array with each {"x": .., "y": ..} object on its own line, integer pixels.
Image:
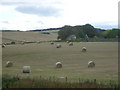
[
  {"x": 45, "y": 32},
  {"x": 12, "y": 42}
]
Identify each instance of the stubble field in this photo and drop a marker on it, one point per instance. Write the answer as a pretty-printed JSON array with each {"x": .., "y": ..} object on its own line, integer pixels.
[{"x": 42, "y": 58}]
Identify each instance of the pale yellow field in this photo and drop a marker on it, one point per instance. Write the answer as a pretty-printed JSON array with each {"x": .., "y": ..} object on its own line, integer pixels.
[
  {"x": 43, "y": 56},
  {"x": 28, "y": 36}
]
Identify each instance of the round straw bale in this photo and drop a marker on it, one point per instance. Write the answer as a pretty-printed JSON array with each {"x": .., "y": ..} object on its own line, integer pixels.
[
  {"x": 9, "y": 64},
  {"x": 67, "y": 41},
  {"x": 3, "y": 45},
  {"x": 52, "y": 43},
  {"x": 58, "y": 65},
  {"x": 84, "y": 49},
  {"x": 70, "y": 43},
  {"x": 91, "y": 64},
  {"x": 26, "y": 69},
  {"x": 58, "y": 46}
]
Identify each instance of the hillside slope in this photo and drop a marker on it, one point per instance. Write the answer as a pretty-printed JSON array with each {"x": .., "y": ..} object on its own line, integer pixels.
[{"x": 27, "y": 36}]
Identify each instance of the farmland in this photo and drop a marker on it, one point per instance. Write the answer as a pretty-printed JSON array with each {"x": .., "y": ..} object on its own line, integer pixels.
[
  {"x": 28, "y": 36},
  {"x": 43, "y": 56}
]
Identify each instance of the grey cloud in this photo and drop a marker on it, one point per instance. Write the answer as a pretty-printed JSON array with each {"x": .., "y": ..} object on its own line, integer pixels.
[
  {"x": 12, "y": 3},
  {"x": 38, "y": 10},
  {"x": 6, "y": 22},
  {"x": 29, "y": 2},
  {"x": 40, "y": 22}
]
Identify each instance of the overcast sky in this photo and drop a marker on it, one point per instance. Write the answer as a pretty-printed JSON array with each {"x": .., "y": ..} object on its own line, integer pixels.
[{"x": 39, "y": 14}]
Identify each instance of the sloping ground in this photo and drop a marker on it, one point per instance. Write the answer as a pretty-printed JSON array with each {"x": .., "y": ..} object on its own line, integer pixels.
[{"x": 27, "y": 36}]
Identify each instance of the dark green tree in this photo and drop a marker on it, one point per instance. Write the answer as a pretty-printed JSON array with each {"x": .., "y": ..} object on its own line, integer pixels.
[
  {"x": 65, "y": 32},
  {"x": 114, "y": 33},
  {"x": 79, "y": 31},
  {"x": 89, "y": 30}
]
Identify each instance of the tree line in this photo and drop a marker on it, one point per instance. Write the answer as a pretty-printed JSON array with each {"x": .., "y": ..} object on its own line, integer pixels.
[{"x": 80, "y": 31}]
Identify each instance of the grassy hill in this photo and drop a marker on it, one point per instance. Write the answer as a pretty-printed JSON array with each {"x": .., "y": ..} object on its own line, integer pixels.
[{"x": 28, "y": 36}]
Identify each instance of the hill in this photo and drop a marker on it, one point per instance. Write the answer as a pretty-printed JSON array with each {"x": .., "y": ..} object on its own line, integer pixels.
[{"x": 28, "y": 36}]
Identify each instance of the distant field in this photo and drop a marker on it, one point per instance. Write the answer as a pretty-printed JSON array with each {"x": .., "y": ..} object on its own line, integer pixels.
[
  {"x": 42, "y": 58},
  {"x": 28, "y": 36}
]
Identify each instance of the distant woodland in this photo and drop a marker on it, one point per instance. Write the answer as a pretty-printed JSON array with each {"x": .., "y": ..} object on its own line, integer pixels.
[{"x": 87, "y": 30}]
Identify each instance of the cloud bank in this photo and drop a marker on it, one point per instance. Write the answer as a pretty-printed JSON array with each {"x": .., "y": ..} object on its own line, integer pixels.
[
  {"x": 29, "y": 14},
  {"x": 36, "y": 7},
  {"x": 38, "y": 10},
  {"x": 6, "y": 22}
]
